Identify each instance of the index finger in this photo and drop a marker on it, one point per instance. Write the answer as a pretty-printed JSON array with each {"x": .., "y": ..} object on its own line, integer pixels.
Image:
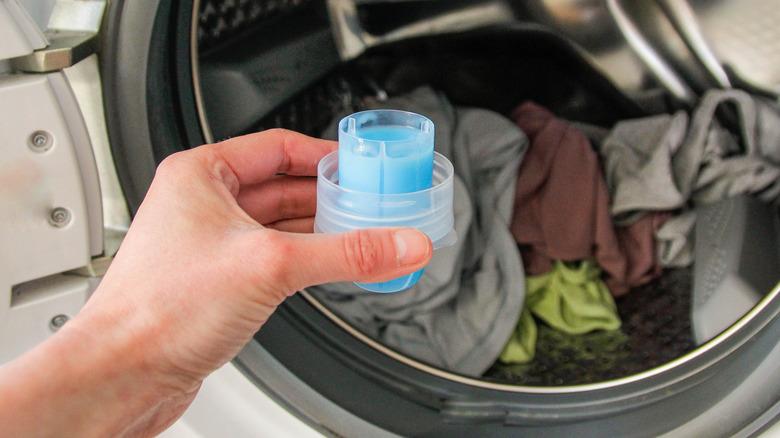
[{"x": 256, "y": 157}]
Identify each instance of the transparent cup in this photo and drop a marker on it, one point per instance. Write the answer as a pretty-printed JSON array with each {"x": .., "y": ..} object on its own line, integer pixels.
[{"x": 386, "y": 174}]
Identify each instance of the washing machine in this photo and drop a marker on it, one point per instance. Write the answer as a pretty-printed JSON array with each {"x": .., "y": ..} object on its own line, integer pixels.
[{"x": 95, "y": 93}]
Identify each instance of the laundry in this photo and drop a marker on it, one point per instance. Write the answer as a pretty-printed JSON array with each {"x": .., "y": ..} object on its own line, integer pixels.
[
  {"x": 521, "y": 347},
  {"x": 466, "y": 305},
  {"x": 639, "y": 242},
  {"x": 570, "y": 299},
  {"x": 675, "y": 162},
  {"x": 562, "y": 207}
]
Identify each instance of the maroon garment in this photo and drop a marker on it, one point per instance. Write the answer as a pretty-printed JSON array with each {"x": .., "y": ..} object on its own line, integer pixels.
[
  {"x": 562, "y": 207},
  {"x": 637, "y": 241}
]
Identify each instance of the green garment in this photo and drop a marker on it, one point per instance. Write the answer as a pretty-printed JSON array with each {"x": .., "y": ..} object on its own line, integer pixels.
[
  {"x": 521, "y": 347},
  {"x": 571, "y": 299}
]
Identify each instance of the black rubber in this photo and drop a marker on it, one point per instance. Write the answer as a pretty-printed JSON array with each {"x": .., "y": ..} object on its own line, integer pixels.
[{"x": 147, "y": 87}]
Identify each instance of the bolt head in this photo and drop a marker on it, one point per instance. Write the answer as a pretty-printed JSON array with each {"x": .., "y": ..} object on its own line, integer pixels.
[
  {"x": 57, "y": 322},
  {"x": 59, "y": 217},
  {"x": 40, "y": 141}
]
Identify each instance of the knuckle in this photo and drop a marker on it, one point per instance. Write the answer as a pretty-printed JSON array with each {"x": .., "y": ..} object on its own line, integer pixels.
[
  {"x": 278, "y": 131},
  {"x": 282, "y": 137},
  {"x": 363, "y": 252},
  {"x": 173, "y": 164}
]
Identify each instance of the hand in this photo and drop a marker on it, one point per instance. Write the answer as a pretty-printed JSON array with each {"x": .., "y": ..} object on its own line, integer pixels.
[{"x": 215, "y": 247}]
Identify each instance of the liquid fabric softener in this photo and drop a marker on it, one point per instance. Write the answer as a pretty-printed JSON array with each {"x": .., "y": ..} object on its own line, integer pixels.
[{"x": 386, "y": 174}]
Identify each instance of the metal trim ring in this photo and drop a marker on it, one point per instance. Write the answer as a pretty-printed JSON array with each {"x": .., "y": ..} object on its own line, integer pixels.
[{"x": 195, "y": 56}]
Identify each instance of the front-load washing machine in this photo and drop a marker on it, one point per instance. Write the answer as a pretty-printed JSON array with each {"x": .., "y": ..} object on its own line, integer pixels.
[{"x": 95, "y": 93}]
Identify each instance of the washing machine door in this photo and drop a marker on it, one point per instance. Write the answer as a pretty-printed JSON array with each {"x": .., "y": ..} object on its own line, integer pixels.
[{"x": 129, "y": 94}]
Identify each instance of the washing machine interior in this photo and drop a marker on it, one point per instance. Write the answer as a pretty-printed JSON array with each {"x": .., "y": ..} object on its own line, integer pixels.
[
  {"x": 494, "y": 69},
  {"x": 693, "y": 341}
]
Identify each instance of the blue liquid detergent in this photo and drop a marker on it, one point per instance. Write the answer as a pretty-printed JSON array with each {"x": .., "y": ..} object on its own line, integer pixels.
[
  {"x": 404, "y": 168},
  {"x": 387, "y": 159}
]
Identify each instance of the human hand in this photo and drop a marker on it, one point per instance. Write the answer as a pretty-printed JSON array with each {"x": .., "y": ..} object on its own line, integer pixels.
[{"x": 216, "y": 246}]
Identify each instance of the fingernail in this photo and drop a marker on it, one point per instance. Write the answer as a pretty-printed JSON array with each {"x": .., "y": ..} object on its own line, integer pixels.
[{"x": 411, "y": 247}]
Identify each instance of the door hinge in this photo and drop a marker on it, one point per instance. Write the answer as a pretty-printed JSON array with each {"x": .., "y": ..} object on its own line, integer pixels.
[{"x": 66, "y": 48}]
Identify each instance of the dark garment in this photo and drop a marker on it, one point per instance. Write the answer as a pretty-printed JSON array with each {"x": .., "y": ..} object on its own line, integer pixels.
[
  {"x": 638, "y": 243},
  {"x": 562, "y": 207}
]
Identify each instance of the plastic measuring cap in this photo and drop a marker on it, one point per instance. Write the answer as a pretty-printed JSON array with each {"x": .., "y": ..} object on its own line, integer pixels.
[{"x": 386, "y": 174}]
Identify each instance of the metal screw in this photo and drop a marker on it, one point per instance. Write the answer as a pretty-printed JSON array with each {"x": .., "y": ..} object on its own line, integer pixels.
[
  {"x": 40, "y": 141},
  {"x": 59, "y": 217},
  {"x": 57, "y": 322}
]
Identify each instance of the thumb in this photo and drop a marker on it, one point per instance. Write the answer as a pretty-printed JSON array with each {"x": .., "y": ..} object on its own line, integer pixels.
[{"x": 368, "y": 255}]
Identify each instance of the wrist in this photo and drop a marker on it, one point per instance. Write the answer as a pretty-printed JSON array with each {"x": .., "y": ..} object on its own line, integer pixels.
[{"x": 91, "y": 378}]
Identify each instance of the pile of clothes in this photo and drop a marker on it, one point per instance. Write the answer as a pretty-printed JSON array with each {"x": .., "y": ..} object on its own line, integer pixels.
[{"x": 556, "y": 218}]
